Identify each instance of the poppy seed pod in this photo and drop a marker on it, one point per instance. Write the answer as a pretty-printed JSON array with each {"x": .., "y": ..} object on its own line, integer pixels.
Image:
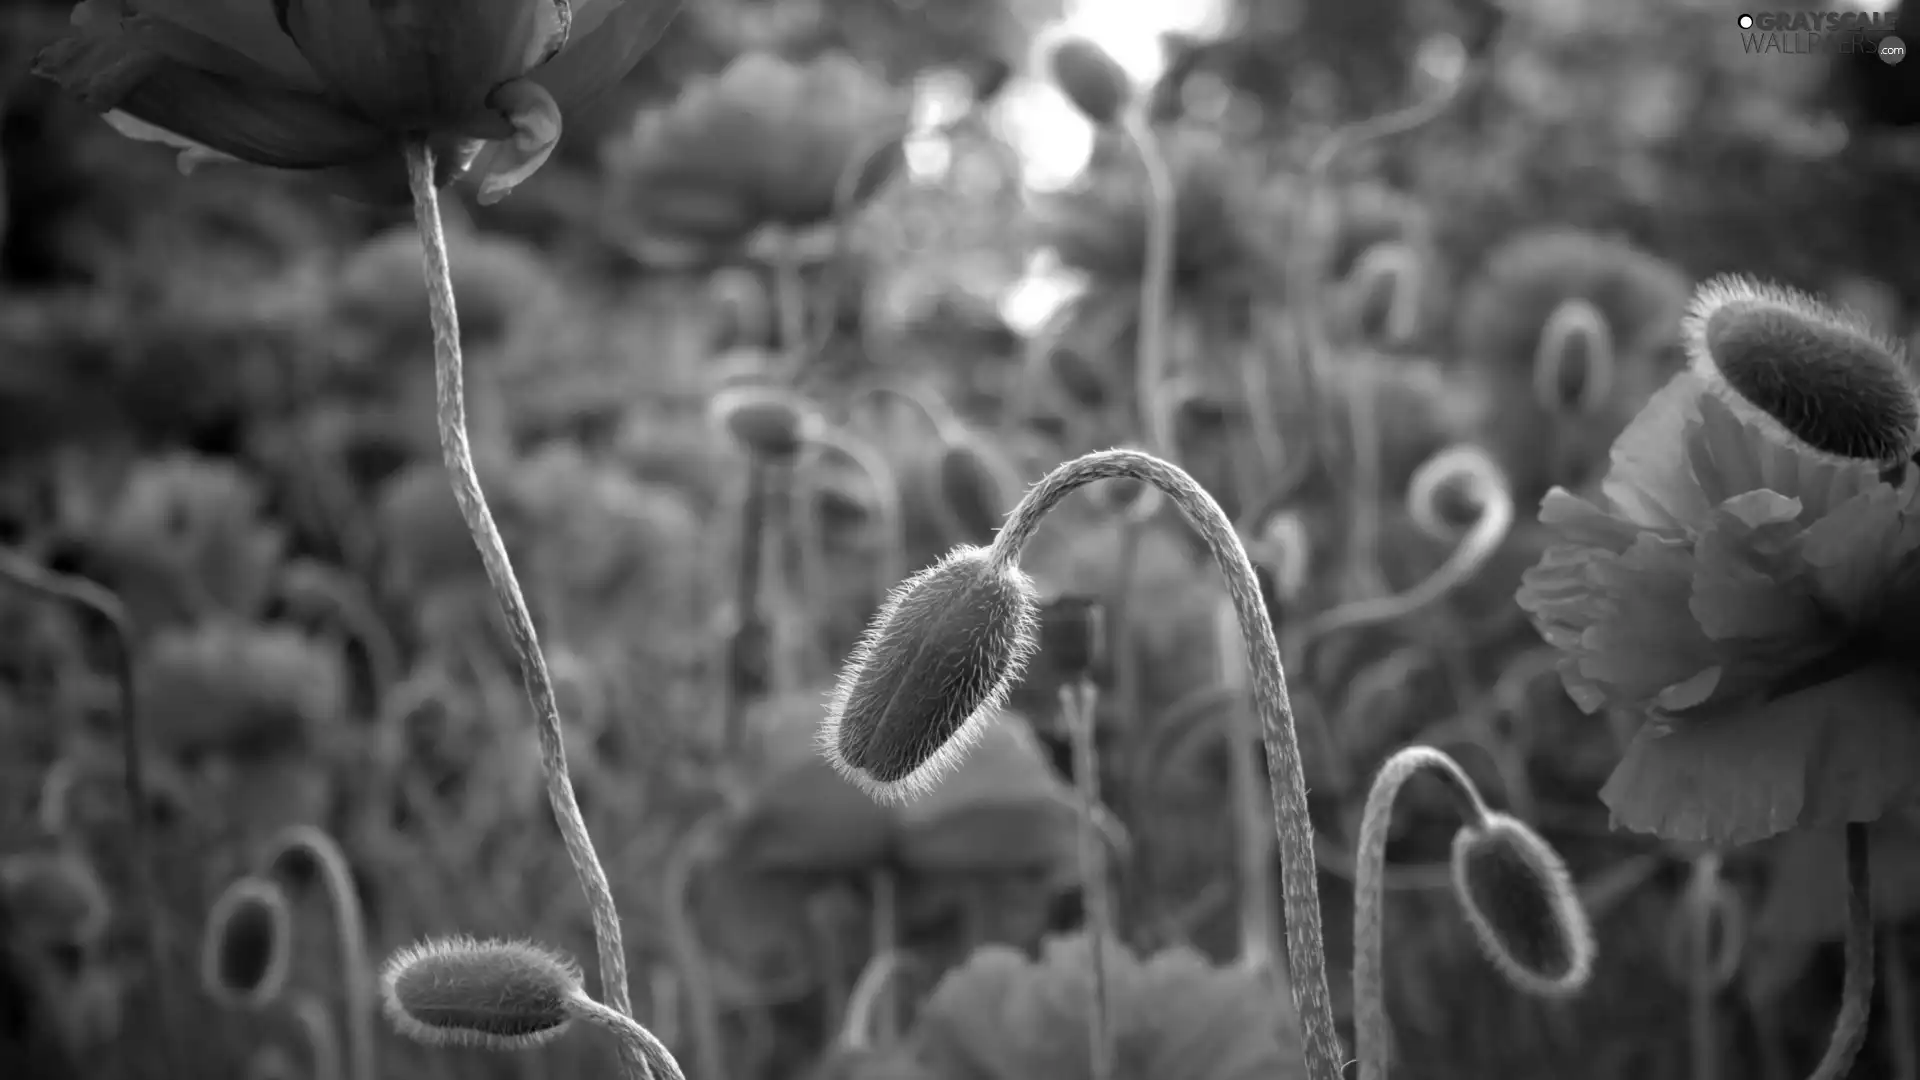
[
  {"x": 335, "y": 87},
  {"x": 491, "y": 995},
  {"x": 1073, "y": 636},
  {"x": 247, "y": 948},
  {"x": 770, "y": 423},
  {"x": 931, "y": 671},
  {"x": 975, "y": 489},
  {"x": 1091, "y": 78},
  {"x": 1573, "y": 367},
  {"x": 1821, "y": 377},
  {"x": 1520, "y": 901}
]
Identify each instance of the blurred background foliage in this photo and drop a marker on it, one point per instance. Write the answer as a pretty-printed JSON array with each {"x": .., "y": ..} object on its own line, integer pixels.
[{"x": 216, "y": 400}]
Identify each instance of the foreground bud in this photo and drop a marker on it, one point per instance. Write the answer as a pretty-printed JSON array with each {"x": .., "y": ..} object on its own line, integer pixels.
[
  {"x": 932, "y": 669},
  {"x": 1093, "y": 80},
  {"x": 494, "y": 995},
  {"x": 1520, "y": 901},
  {"x": 1820, "y": 377},
  {"x": 247, "y": 949}
]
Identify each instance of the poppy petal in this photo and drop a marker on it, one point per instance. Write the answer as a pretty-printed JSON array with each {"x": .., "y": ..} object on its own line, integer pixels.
[
  {"x": 246, "y": 27},
  {"x": 607, "y": 40},
  {"x": 536, "y": 131},
  {"x": 192, "y": 154}
]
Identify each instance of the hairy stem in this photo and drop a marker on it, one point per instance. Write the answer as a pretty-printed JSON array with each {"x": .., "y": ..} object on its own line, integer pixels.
[
  {"x": 457, "y": 453},
  {"x": 104, "y": 605},
  {"x": 1856, "y": 994},
  {"x": 1077, "y": 705},
  {"x": 350, "y": 938},
  {"x": 1372, "y": 1033},
  {"x": 1306, "y": 951},
  {"x": 635, "y": 1040}
]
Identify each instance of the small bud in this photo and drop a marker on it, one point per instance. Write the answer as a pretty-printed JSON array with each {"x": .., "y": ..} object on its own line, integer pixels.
[
  {"x": 769, "y": 422},
  {"x": 1384, "y": 290},
  {"x": 1078, "y": 376},
  {"x": 1093, "y": 80},
  {"x": 931, "y": 671},
  {"x": 247, "y": 948},
  {"x": 1822, "y": 378},
  {"x": 1073, "y": 637},
  {"x": 975, "y": 491},
  {"x": 1520, "y": 901},
  {"x": 1574, "y": 363},
  {"x": 493, "y": 995},
  {"x": 742, "y": 310}
]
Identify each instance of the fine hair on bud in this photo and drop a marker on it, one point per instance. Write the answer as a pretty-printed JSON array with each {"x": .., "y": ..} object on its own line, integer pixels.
[
  {"x": 1573, "y": 367},
  {"x": 771, "y": 423},
  {"x": 1520, "y": 901},
  {"x": 1818, "y": 376},
  {"x": 975, "y": 491},
  {"x": 1090, "y": 78},
  {"x": 492, "y": 995},
  {"x": 246, "y": 951},
  {"x": 1384, "y": 288},
  {"x": 932, "y": 669}
]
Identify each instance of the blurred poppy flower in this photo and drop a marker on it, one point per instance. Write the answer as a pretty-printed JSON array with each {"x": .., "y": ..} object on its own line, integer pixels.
[
  {"x": 764, "y": 142},
  {"x": 1746, "y": 594},
  {"x": 335, "y": 88}
]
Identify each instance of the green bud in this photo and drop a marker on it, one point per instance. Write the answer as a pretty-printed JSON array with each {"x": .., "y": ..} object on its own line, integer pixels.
[{"x": 493, "y": 995}]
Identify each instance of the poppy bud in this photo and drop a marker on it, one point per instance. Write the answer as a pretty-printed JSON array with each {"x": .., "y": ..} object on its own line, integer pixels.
[
  {"x": 1093, "y": 80},
  {"x": 1814, "y": 375},
  {"x": 1077, "y": 375},
  {"x": 1519, "y": 899},
  {"x": 1573, "y": 365},
  {"x": 743, "y": 313},
  {"x": 1073, "y": 638},
  {"x": 492, "y": 995},
  {"x": 932, "y": 669},
  {"x": 769, "y": 422},
  {"x": 247, "y": 950},
  {"x": 1384, "y": 287},
  {"x": 975, "y": 491}
]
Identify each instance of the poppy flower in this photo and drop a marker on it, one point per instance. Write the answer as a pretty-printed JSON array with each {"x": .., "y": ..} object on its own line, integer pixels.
[
  {"x": 765, "y": 142},
  {"x": 336, "y": 88},
  {"x": 1744, "y": 587}
]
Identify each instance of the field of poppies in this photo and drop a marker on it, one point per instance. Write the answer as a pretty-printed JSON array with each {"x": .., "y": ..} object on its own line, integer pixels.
[{"x": 614, "y": 538}]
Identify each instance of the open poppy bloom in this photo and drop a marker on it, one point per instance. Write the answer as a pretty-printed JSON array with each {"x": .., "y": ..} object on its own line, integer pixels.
[
  {"x": 1751, "y": 597},
  {"x": 335, "y": 87}
]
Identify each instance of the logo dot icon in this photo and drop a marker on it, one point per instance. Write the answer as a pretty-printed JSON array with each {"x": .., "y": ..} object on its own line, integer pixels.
[{"x": 1746, "y": 22}]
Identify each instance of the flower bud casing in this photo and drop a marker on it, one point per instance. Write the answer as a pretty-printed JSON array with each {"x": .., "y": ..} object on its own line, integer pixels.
[
  {"x": 495, "y": 995},
  {"x": 932, "y": 669},
  {"x": 1520, "y": 901}
]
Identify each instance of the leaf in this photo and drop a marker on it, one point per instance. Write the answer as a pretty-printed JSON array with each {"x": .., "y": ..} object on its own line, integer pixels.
[{"x": 1843, "y": 750}]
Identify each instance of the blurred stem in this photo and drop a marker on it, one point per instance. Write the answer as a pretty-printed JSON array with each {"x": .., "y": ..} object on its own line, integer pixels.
[
  {"x": 890, "y": 568},
  {"x": 635, "y": 1040},
  {"x": 1156, "y": 283},
  {"x": 870, "y": 995},
  {"x": 883, "y": 891},
  {"x": 683, "y": 942},
  {"x": 1856, "y": 994},
  {"x": 1077, "y": 705},
  {"x": 1702, "y": 1024},
  {"x": 78, "y": 592},
  {"x": 350, "y": 939},
  {"x": 1126, "y": 673},
  {"x": 1292, "y": 821},
  {"x": 1903, "y": 1043},
  {"x": 457, "y": 453},
  {"x": 748, "y": 579},
  {"x": 790, "y": 303},
  {"x": 1372, "y": 1031},
  {"x": 315, "y": 1021}
]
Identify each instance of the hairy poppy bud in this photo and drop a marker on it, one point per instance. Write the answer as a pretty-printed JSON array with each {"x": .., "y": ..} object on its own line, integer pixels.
[
  {"x": 1093, "y": 80},
  {"x": 975, "y": 491},
  {"x": 931, "y": 670},
  {"x": 248, "y": 945},
  {"x": 1073, "y": 638},
  {"x": 742, "y": 311},
  {"x": 1573, "y": 366},
  {"x": 769, "y": 422},
  {"x": 1519, "y": 899},
  {"x": 493, "y": 995},
  {"x": 1817, "y": 376}
]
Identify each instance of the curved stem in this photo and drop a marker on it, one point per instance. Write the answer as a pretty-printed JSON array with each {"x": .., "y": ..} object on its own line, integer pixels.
[
  {"x": 1306, "y": 951},
  {"x": 315, "y": 1021},
  {"x": 940, "y": 417},
  {"x": 457, "y": 453},
  {"x": 1702, "y": 1019},
  {"x": 350, "y": 936},
  {"x": 635, "y": 1040},
  {"x": 1077, "y": 704},
  {"x": 1371, "y": 1029},
  {"x": 78, "y": 592},
  {"x": 1156, "y": 284},
  {"x": 1254, "y": 846},
  {"x": 1856, "y": 994},
  {"x": 870, "y": 993}
]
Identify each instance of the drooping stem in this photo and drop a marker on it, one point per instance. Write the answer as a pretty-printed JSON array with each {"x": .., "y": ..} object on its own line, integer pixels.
[
  {"x": 457, "y": 454},
  {"x": 1077, "y": 707},
  {"x": 1856, "y": 993},
  {"x": 635, "y": 1040},
  {"x": 103, "y": 605},
  {"x": 1372, "y": 1033},
  {"x": 1306, "y": 951},
  {"x": 350, "y": 938}
]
